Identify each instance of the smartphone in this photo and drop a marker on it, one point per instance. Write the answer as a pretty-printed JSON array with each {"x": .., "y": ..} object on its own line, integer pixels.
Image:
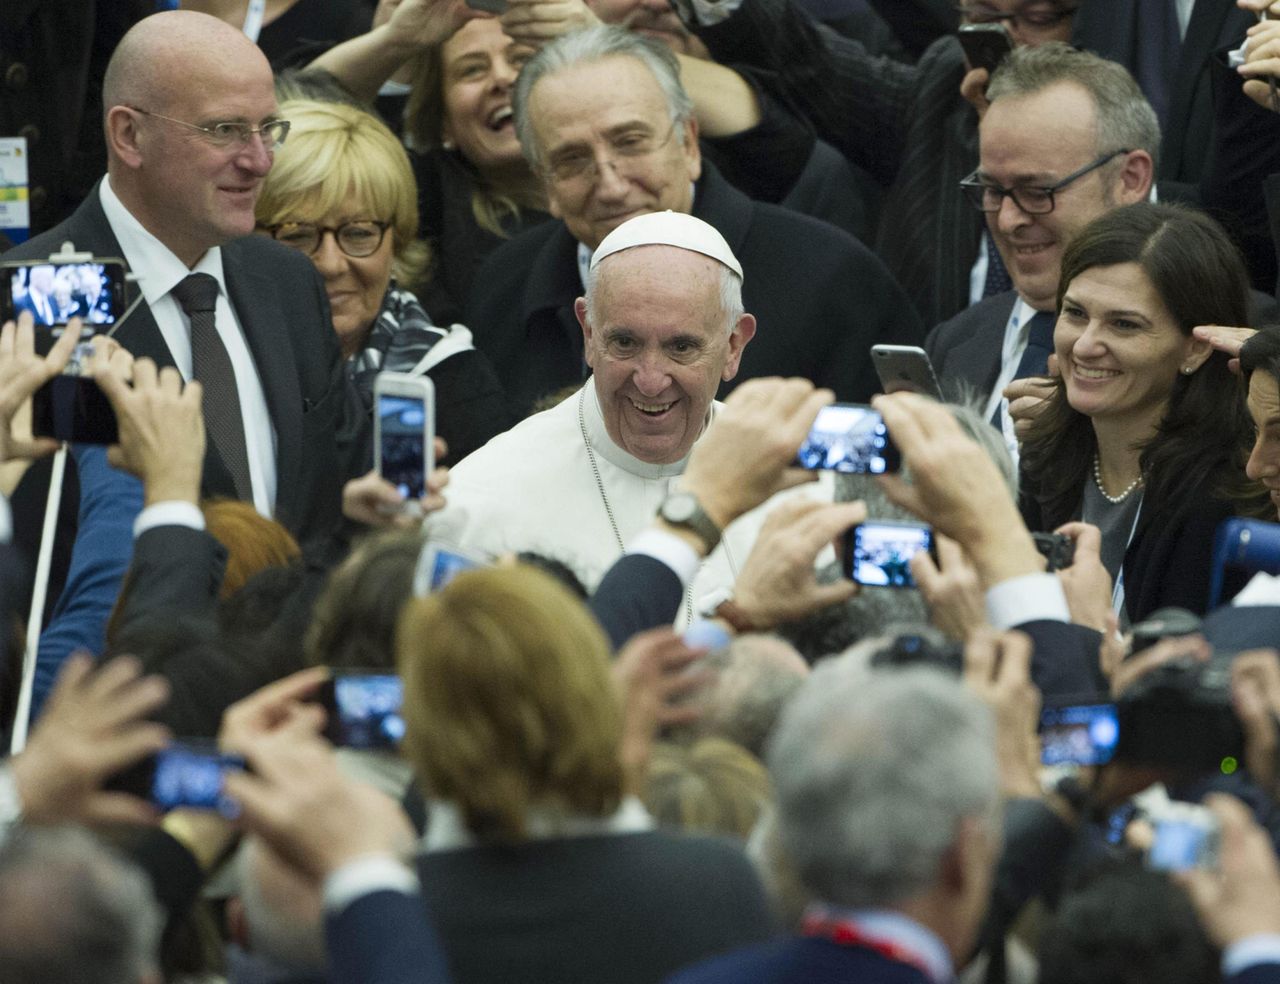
[
  {"x": 364, "y": 709},
  {"x": 1186, "y": 835},
  {"x": 985, "y": 45},
  {"x": 55, "y": 293},
  {"x": 404, "y": 432},
  {"x": 905, "y": 367},
  {"x": 191, "y": 775},
  {"x": 849, "y": 438},
  {"x": 439, "y": 564},
  {"x": 1058, "y": 550},
  {"x": 498, "y": 7},
  {"x": 1078, "y": 734},
  {"x": 71, "y": 406},
  {"x": 878, "y": 553}
]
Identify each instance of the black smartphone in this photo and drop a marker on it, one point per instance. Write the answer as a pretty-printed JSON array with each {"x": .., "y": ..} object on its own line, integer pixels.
[
  {"x": 1078, "y": 734},
  {"x": 849, "y": 438},
  {"x": 985, "y": 45},
  {"x": 71, "y": 406},
  {"x": 878, "y": 553},
  {"x": 363, "y": 708},
  {"x": 55, "y": 293},
  {"x": 191, "y": 775}
]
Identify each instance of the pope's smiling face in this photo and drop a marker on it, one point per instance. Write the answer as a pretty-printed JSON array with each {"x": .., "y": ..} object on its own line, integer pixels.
[{"x": 659, "y": 345}]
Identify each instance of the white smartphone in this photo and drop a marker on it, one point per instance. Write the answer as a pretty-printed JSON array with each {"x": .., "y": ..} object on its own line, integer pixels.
[
  {"x": 404, "y": 428},
  {"x": 905, "y": 367}
]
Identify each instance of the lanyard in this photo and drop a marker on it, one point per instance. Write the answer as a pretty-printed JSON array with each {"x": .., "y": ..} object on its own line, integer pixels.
[
  {"x": 253, "y": 19},
  {"x": 821, "y": 924}
]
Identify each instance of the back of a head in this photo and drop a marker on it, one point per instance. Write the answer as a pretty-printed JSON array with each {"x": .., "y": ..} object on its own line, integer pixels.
[
  {"x": 71, "y": 912},
  {"x": 353, "y": 624},
  {"x": 1124, "y": 117},
  {"x": 591, "y": 45},
  {"x": 509, "y": 705},
  {"x": 710, "y": 787},
  {"x": 253, "y": 542},
  {"x": 755, "y": 676},
  {"x": 873, "y": 772},
  {"x": 1125, "y": 924}
]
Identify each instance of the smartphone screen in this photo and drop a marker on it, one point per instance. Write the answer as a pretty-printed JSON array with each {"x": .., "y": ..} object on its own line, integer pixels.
[
  {"x": 55, "y": 293},
  {"x": 849, "y": 438},
  {"x": 402, "y": 443},
  {"x": 438, "y": 565},
  {"x": 191, "y": 777},
  {"x": 878, "y": 554},
  {"x": 1180, "y": 843},
  {"x": 1078, "y": 734},
  {"x": 364, "y": 710}
]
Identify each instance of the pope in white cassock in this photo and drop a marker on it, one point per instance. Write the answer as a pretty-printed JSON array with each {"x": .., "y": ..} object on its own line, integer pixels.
[{"x": 662, "y": 325}]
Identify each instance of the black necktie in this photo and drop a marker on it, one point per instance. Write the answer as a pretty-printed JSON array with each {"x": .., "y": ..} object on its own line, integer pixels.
[
  {"x": 1035, "y": 357},
  {"x": 211, "y": 365},
  {"x": 1159, "y": 48},
  {"x": 998, "y": 280}
]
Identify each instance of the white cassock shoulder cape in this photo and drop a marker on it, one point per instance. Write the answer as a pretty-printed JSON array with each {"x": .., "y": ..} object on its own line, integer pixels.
[{"x": 532, "y": 488}]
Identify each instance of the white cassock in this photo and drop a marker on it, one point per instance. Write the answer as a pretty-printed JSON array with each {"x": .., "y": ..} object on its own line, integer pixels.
[{"x": 533, "y": 488}]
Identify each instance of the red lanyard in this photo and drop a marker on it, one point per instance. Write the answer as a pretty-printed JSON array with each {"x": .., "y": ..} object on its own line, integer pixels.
[{"x": 846, "y": 932}]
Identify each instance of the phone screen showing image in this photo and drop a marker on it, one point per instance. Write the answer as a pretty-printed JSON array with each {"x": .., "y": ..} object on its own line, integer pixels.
[
  {"x": 879, "y": 554},
  {"x": 402, "y": 443},
  {"x": 849, "y": 438},
  {"x": 365, "y": 711},
  {"x": 56, "y": 293},
  {"x": 193, "y": 778},
  {"x": 1078, "y": 734}
]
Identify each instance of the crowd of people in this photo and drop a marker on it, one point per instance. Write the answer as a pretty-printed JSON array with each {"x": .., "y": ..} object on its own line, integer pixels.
[{"x": 668, "y": 675}]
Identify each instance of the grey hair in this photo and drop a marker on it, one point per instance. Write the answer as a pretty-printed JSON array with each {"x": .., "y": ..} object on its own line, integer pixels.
[
  {"x": 1125, "y": 120},
  {"x": 730, "y": 292},
  {"x": 756, "y": 675},
  {"x": 873, "y": 771},
  {"x": 590, "y": 45},
  {"x": 72, "y": 910}
]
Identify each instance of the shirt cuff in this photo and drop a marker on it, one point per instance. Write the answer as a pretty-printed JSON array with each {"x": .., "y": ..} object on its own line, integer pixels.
[
  {"x": 705, "y": 13},
  {"x": 1262, "y": 589},
  {"x": 364, "y": 876},
  {"x": 1264, "y": 948},
  {"x": 172, "y": 513},
  {"x": 1030, "y": 598},
  {"x": 669, "y": 549}
]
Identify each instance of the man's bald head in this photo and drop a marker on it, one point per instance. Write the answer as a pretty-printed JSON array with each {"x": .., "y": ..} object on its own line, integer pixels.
[{"x": 158, "y": 54}]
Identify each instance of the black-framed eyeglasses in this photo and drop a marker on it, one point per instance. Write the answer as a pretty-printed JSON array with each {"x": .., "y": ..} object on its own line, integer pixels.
[
  {"x": 988, "y": 197},
  {"x": 357, "y": 239},
  {"x": 1039, "y": 16},
  {"x": 580, "y": 162},
  {"x": 229, "y": 133}
]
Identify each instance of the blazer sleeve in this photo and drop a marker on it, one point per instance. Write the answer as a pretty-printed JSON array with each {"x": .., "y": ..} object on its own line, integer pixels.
[
  {"x": 1064, "y": 662},
  {"x": 637, "y": 593},
  {"x": 385, "y": 937},
  {"x": 175, "y": 569}
]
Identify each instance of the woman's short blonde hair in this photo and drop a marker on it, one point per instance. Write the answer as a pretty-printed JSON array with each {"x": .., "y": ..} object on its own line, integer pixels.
[
  {"x": 509, "y": 703},
  {"x": 337, "y": 154},
  {"x": 712, "y": 786}
]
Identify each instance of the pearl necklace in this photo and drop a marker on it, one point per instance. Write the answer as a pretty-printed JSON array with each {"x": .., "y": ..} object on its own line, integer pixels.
[{"x": 1115, "y": 500}]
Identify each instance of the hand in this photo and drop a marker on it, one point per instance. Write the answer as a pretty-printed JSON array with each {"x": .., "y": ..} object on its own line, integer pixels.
[
  {"x": 417, "y": 24},
  {"x": 374, "y": 501},
  {"x": 1225, "y": 339},
  {"x": 310, "y": 814},
  {"x": 951, "y": 590},
  {"x": 973, "y": 87},
  {"x": 653, "y": 671},
  {"x": 998, "y": 669},
  {"x": 93, "y": 726},
  {"x": 22, "y": 372},
  {"x": 162, "y": 436},
  {"x": 956, "y": 487},
  {"x": 1086, "y": 582},
  {"x": 277, "y": 705},
  {"x": 1255, "y": 692},
  {"x": 1026, "y": 399},
  {"x": 1241, "y": 898},
  {"x": 1192, "y": 647},
  {"x": 1262, "y": 56},
  {"x": 535, "y": 22},
  {"x": 778, "y": 583},
  {"x": 749, "y": 452}
]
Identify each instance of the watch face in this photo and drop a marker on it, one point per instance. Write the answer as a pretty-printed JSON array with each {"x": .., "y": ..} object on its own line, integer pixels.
[{"x": 680, "y": 508}]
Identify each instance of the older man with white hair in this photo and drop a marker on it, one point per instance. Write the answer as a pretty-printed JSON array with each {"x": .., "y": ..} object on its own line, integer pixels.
[{"x": 662, "y": 325}]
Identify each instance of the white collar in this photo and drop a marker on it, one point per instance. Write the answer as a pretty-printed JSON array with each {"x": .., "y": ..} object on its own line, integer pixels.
[
  {"x": 155, "y": 267},
  {"x": 603, "y": 444},
  {"x": 446, "y": 830}
]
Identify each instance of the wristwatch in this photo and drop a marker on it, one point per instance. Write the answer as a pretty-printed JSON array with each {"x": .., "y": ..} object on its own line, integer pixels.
[{"x": 683, "y": 509}]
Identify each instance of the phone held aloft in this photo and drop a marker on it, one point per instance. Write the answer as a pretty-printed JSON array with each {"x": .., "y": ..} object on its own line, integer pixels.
[
  {"x": 849, "y": 438},
  {"x": 404, "y": 432}
]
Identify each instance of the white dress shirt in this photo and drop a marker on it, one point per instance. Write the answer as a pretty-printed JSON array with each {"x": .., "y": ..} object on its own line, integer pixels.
[{"x": 157, "y": 271}]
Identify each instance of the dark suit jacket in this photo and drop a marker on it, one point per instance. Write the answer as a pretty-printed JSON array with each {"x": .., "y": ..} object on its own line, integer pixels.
[
  {"x": 798, "y": 960},
  {"x": 636, "y": 593},
  {"x": 620, "y": 908},
  {"x": 385, "y": 937},
  {"x": 907, "y": 125},
  {"x": 281, "y": 304},
  {"x": 820, "y": 299}
]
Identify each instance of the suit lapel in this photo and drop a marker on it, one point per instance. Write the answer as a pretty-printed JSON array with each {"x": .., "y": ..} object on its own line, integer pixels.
[{"x": 259, "y": 307}]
